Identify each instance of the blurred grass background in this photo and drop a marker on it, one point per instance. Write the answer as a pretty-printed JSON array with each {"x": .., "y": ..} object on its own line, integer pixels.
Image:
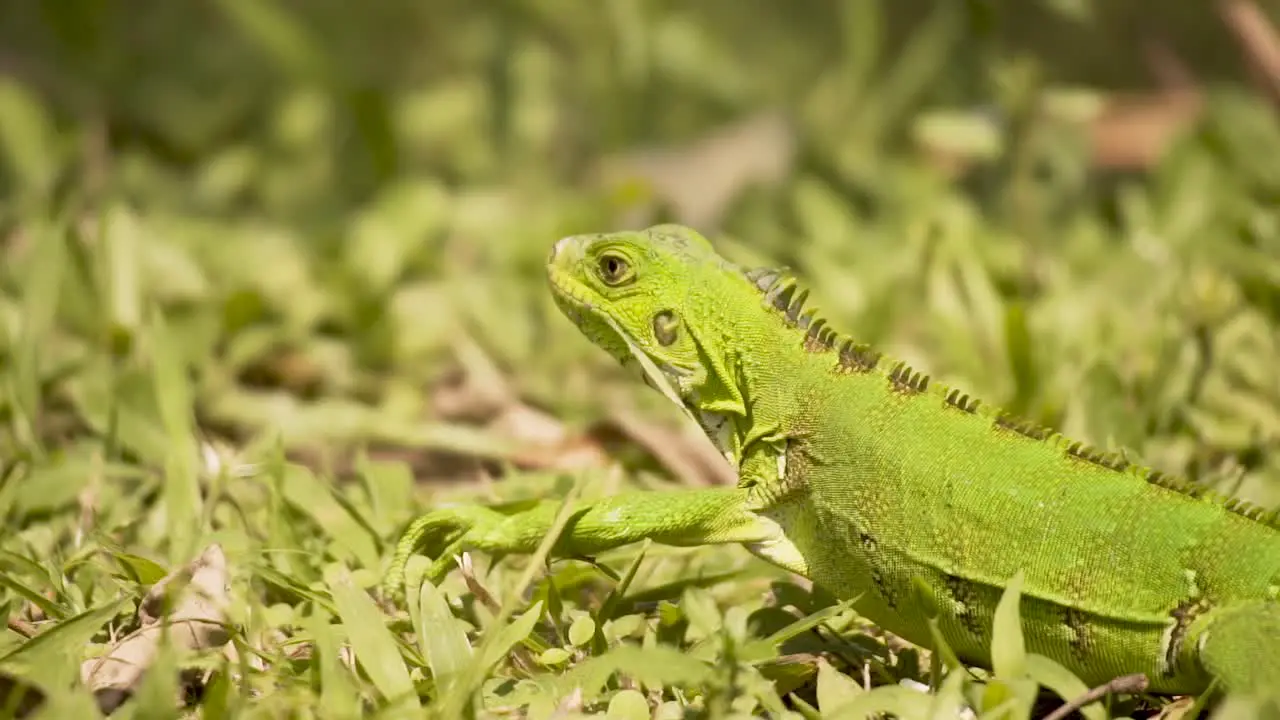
[{"x": 271, "y": 278}]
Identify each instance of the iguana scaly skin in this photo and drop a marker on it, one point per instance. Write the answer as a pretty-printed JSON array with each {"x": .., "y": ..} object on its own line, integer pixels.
[{"x": 861, "y": 474}]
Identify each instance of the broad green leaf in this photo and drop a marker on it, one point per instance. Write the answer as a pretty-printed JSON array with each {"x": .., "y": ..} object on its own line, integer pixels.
[
  {"x": 390, "y": 487},
  {"x": 834, "y": 688},
  {"x": 554, "y": 656},
  {"x": 27, "y": 137},
  {"x": 33, "y": 596},
  {"x": 582, "y": 630},
  {"x": 1050, "y": 674},
  {"x": 441, "y": 636},
  {"x": 654, "y": 666},
  {"x": 949, "y": 702},
  {"x": 173, "y": 394},
  {"x": 54, "y": 485},
  {"x": 140, "y": 569},
  {"x": 766, "y": 648},
  {"x": 1021, "y": 356},
  {"x": 122, "y": 236},
  {"x": 1008, "y": 652},
  {"x": 337, "y": 693},
  {"x": 52, "y": 658},
  {"x": 891, "y": 699},
  {"x": 700, "y": 607},
  {"x": 312, "y": 497},
  {"x": 375, "y": 647},
  {"x": 279, "y": 34},
  {"x": 41, "y": 295},
  {"x": 509, "y": 635},
  {"x": 294, "y": 587},
  {"x": 628, "y": 705}
]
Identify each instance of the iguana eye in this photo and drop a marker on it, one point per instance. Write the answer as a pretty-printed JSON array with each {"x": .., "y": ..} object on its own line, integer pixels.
[
  {"x": 614, "y": 270},
  {"x": 666, "y": 327}
]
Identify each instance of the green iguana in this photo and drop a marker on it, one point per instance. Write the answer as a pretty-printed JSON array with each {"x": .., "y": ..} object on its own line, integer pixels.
[{"x": 860, "y": 473}]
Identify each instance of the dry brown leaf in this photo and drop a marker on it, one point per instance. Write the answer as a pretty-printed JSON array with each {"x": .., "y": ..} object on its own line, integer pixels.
[
  {"x": 22, "y": 627},
  {"x": 1134, "y": 131},
  {"x": 685, "y": 453},
  {"x": 546, "y": 442},
  {"x": 700, "y": 180},
  {"x": 480, "y": 393},
  {"x": 189, "y": 604},
  {"x": 1177, "y": 709},
  {"x": 1125, "y": 132},
  {"x": 1258, "y": 39}
]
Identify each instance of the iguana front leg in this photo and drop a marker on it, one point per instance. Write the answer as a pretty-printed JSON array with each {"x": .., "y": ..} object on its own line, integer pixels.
[{"x": 681, "y": 518}]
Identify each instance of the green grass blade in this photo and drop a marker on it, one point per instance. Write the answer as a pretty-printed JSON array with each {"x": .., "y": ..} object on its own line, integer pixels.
[
  {"x": 52, "y": 658},
  {"x": 307, "y": 494},
  {"x": 1008, "y": 651},
  {"x": 375, "y": 647},
  {"x": 442, "y": 638},
  {"x": 42, "y": 291},
  {"x": 337, "y": 693},
  {"x": 174, "y": 399}
]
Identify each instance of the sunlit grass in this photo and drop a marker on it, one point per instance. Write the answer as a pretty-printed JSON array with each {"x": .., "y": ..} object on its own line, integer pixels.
[{"x": 279, "y": 347}]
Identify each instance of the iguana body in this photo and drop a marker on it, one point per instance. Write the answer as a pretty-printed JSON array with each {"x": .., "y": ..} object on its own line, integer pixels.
[{"x": 862, "y": 474}]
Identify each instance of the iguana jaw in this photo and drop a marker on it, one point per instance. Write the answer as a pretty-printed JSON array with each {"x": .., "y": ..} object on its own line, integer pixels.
[
  {"x": 683, "y": 385},
  {"x": 586, "y": 309},
  {"x": 580, "y": 303}
]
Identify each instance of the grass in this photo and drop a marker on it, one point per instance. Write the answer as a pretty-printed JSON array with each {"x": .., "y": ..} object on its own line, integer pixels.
[{"x": 243, "y": 343}]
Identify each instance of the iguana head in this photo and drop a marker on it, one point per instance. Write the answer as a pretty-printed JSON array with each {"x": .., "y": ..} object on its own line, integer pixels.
[{"x": 660, "y": 295}]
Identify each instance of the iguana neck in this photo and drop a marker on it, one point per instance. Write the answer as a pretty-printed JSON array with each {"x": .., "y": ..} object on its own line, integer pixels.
[{"x": 758, "y": 377}]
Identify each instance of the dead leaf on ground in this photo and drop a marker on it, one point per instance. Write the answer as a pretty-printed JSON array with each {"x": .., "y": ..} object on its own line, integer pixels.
[
  {"x": 189, "y": 604},
  {"x": 1121, "y": 131},
  {"x": 1177, "y": 709},
  {"x": 1258, "y": 40},
  {"x": 480, "y": 393},
  {"x": 701, "y": 179},
  {"x": 477, "y": 390},
  {"x": 546, "y": 442},
  {"x": 686, "y": 452},
  {"x": 1134, "y": 131}
]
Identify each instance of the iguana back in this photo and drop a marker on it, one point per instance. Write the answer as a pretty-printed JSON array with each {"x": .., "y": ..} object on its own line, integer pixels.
[{"x": 896, "y": 476}]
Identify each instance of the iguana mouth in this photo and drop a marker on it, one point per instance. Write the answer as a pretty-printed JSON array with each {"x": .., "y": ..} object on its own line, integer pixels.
[
  {"x": 594, "y": 322},
  {"x": 574, "y": 300},
  {"x": 568, "y": 293}
]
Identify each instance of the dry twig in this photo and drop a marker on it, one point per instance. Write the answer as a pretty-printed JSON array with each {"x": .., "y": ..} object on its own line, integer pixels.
[
  {"x": 1258, "y": 39},
  {"x": 1123, "y": 684},
  {"x": 189, "y": 604},
  {"x": 22, "y": 627}
]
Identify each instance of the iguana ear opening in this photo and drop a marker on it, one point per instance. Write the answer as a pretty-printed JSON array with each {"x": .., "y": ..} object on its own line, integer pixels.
[{"x": 666, "y": 328}]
